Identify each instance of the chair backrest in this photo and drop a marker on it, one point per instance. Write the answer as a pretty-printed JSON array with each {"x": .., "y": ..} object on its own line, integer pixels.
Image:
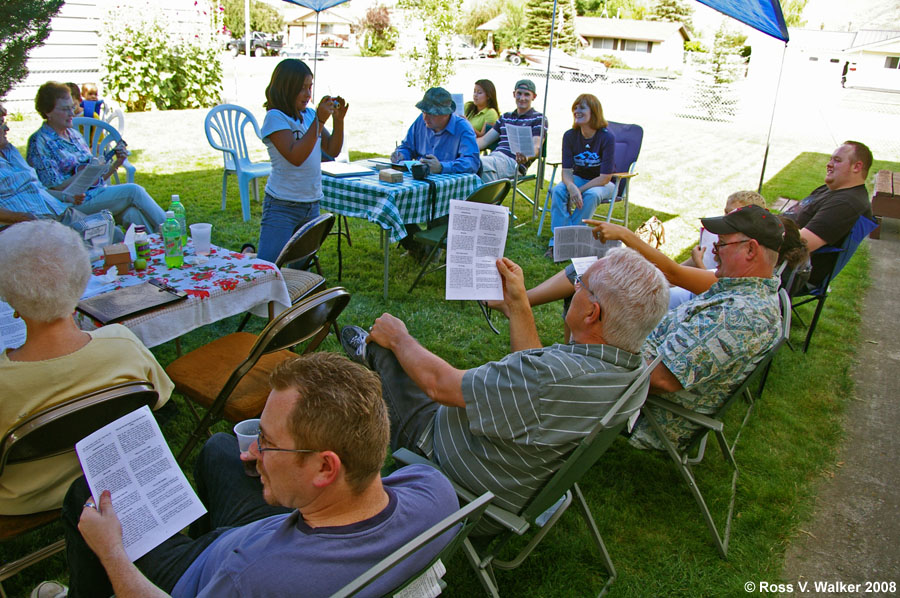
[
  {"x": 861, "y": 229},
  {"x": 308, "y": 319},
  {"x": 305, "y": 242},
  {"x": 493, "y": 192},
  {"x": 592, "y": 446},
  {"x": 628, "y": 147},
  {"x": 55, "y": 430},
  {"x": 112, "y": 114},
  {"x": 784, "y": 298},
  {"x": 98, "y": 135},
  {"x": 468, "y": 515},
  {"x": 225, "y": 127}
]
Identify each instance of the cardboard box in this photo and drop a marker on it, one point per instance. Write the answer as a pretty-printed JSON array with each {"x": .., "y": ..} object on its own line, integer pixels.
[
  {"x": 117, "y": 255},
  {"x": 390, "y": 176}
]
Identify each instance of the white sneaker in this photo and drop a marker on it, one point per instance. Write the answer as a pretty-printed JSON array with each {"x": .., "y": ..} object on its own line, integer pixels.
[{"x": 50, "y": 589}]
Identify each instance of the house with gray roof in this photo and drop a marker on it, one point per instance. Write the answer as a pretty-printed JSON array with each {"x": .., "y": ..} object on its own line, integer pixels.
[{"x": 639, "y": 44}]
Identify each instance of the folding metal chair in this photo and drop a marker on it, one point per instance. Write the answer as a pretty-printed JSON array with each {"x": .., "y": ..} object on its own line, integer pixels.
[
  {"x": 465, "y": 520},
  {"x": 54, "y": 431},
  {"x": 296, "y": 258},
  {"x": 714, "y": 424},
  {"x": 554, "y": 498},
  {"x": 230, "y": 375}
]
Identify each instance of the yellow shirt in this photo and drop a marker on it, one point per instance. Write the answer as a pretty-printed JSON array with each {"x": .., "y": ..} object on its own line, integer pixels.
[
  {"x": 488, "y": 116},
  {"x": 114, "y": 355}
]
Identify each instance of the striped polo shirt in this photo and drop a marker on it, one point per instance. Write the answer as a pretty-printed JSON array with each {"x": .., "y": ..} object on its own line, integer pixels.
[
  {"x": 525, "y": 414},
  {"x": 532, "y": 118}
]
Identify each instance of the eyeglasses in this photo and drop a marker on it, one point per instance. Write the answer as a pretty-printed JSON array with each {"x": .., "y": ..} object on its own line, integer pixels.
[
  {"x": 65, "y": 109},
  {"x": 261, "y": 438},
  {"x": 581, "y": 285},
  {"x": 719, "y": 245}
]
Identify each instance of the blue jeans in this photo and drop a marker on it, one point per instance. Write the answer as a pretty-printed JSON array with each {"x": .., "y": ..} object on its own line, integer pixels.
[
  {"x": 232, "y": 499},
  {"x": 559, "y": 214},
  {"x": 129, "y": 204},
  {"x": 279, "y": 221}
]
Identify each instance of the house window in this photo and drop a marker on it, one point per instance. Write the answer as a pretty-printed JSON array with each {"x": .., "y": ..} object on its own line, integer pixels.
[
  {"x": 604, "y": 43},
  {"x": 814, "y": 59},
  {"x": 326, "y": 28},
  {"x": 892, "y": 62},
  {"x": 637, "y": 46},
  {"x": 834, "y": 61}
]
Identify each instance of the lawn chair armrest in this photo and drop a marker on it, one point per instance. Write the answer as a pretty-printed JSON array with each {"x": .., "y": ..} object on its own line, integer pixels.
[
  {"x": 624, "y": 175},
  {"x": 707, "y": 422},
  {"x": 512, "y": 522}
]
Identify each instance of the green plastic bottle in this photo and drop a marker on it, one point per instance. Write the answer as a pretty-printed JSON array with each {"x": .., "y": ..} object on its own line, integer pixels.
[
  {"x": 171, "y": 234},
  {"x": 180, "y": 215}
]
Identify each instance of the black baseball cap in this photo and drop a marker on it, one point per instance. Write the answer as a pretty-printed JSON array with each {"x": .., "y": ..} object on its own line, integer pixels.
[{"x": 755, "y": 222}]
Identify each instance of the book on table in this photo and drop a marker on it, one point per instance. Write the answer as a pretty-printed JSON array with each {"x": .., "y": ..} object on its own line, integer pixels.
[{"x": 127, "y": 302}]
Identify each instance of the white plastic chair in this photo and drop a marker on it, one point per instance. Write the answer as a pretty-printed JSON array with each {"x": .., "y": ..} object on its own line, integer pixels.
[
  {"x": 99, "y": 135},
  {"x": 225, "y": 130},
  {"x": 113, "y": 114}
]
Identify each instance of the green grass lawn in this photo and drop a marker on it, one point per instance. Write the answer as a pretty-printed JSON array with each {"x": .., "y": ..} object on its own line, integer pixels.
[{"x": 648, "y": 519}]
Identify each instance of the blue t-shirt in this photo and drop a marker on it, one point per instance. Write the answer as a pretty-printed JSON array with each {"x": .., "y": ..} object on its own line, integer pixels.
[
  {"x": 589, "y": 158},
  {"x": 283, "y": 556}
]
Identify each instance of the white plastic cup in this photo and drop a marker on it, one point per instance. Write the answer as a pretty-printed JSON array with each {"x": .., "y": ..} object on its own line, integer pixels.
[
  {"x": 247, "y": 432},
  {"x": 201, "y": 234}
]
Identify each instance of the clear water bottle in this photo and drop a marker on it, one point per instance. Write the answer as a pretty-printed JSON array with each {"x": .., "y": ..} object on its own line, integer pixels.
[
  {"x": 171, "y": 234},
  {"x": 141, "y": 242},
  {"x": 180, "y": 215}
]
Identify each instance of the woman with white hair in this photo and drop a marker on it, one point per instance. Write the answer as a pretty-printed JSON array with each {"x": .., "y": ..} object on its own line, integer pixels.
[{"x": 44, "y": 269}]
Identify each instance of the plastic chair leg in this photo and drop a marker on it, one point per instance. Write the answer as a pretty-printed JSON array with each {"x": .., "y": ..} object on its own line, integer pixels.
[
  {"x": 256, "y": 190},
  {"x": 243, "y": 185},
  {"x": 224, "y": 188}
]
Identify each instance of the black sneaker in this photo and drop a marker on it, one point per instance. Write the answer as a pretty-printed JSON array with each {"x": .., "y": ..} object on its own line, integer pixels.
[{"x": 353, "y": 340}]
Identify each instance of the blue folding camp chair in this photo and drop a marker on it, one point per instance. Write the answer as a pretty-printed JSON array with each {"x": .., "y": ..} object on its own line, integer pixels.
[
  {"x": 628, "y": 146},
  {"x": 861, "y": 229}
]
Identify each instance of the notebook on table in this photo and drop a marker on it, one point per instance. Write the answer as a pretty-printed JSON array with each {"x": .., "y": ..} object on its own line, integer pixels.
[{"x": 124, "y": 303}]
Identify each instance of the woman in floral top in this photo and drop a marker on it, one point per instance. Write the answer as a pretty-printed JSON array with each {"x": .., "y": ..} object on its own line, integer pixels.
[{"x": 56, "y": 151}]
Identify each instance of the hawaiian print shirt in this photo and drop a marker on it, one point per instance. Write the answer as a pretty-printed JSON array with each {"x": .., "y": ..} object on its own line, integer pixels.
[
  {"x": 710, "y": 344},
  {"x": 55, "y": 158}
]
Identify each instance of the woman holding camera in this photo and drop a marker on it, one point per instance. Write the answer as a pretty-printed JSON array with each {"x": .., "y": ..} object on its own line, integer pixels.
[{"x": 295, "y": 136}]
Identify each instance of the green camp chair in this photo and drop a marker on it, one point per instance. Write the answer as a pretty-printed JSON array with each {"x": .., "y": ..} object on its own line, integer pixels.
[
  {"x": 468, "y": 517},
  {"x": 714, "y": 424},
  {"x": 436, "y": 236},
  {"x": 547, "y": 506}
]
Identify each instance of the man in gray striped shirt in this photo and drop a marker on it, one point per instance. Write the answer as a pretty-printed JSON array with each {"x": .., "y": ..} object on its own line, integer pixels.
[{"x": 508, "y": 425}]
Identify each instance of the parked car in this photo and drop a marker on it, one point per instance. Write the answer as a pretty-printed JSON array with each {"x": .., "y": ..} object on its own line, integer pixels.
[
  {"x": 303, "y": 51},
  {"x": 260, "y": 44}
]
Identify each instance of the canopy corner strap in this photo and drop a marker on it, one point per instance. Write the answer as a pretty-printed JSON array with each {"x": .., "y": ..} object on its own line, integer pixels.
[{"x": 318, "y": 6}]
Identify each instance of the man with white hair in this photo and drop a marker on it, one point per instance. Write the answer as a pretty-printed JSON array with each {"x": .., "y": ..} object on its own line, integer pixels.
[{"x": 508, "y": 425}]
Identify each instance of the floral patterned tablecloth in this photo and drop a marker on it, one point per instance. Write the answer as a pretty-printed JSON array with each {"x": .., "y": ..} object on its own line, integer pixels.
[{"x": 228, "y": 283}]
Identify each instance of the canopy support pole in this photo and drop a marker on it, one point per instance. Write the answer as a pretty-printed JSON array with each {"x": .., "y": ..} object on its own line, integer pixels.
[
  {"x": 762, "y": 173},
  {"x": 538, "y": 182}
]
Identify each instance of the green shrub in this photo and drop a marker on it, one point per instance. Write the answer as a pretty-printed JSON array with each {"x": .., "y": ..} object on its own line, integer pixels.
[
  {"x": 149, "y": 68},
  {"x": 611, "y": 61}
]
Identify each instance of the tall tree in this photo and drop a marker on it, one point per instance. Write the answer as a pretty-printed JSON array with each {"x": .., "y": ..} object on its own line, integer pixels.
[
  {"x": 672, "y": 11},
  {"x": 539, "y": 15},
  {"x": 619, "y": 9},
  {"x": 512, "y": 33},
  {"x": 24, "y": 24},
  {"x": 262, "y": 17},
  {"x": 376, "y": 35},
  {"x": 431, "y": 63}
]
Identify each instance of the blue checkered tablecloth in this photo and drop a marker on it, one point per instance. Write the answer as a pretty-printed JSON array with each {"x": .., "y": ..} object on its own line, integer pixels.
[{"x": 391, "y": 205}]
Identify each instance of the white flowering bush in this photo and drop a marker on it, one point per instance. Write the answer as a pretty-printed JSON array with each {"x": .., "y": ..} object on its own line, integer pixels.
[{"x": 154, "y": 63}]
